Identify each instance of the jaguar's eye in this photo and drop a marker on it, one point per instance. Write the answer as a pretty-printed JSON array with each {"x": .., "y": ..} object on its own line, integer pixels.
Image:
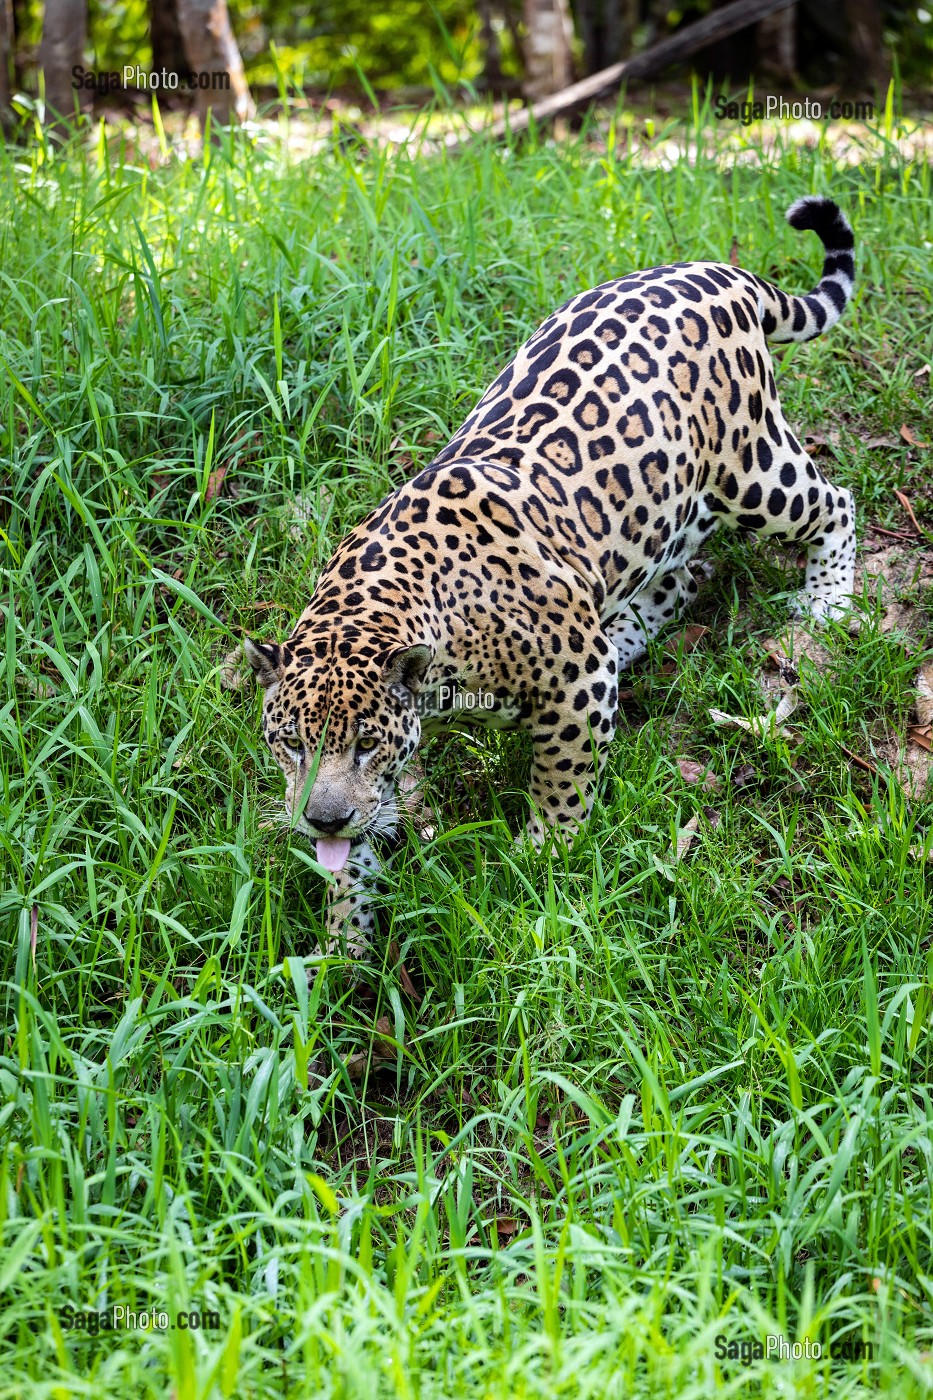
[
  {"x": 291, "y": 741},
  {"x": 367, "y": 742}
]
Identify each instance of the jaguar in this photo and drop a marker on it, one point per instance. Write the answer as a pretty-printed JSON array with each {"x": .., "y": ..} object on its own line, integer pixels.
[{"x": 512, "y": 579}]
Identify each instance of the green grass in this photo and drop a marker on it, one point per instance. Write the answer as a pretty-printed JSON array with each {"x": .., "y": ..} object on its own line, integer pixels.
[{"x": 637, "y": 1107}]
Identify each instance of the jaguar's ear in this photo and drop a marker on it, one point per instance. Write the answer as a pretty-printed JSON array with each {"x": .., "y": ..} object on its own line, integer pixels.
[
  {"x": 404, "y": 672},
  {"x": 266, "y": 661}
]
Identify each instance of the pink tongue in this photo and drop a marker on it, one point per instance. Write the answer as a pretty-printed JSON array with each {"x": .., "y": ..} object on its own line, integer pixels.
[{"x": 332, "y": 854}]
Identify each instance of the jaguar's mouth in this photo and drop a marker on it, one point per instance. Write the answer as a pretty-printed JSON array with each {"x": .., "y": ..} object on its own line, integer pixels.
[{"x": 332, "y": 852}]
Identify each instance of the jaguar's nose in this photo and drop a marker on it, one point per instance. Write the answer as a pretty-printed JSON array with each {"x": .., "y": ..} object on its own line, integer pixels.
[{"x": 329, "y": 828}]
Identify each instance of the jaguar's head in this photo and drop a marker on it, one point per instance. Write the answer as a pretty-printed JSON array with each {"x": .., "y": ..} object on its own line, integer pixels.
[{"x": 340, "y": 716}]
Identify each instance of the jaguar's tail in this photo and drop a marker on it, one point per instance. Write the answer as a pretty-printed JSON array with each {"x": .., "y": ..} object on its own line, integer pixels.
[{"x": 801, "y": 318}]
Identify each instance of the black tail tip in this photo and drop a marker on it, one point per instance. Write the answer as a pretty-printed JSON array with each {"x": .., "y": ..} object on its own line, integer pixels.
[{"x": 823, "y": 217}]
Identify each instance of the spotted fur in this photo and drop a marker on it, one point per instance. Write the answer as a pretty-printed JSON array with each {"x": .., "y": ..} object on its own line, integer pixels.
[{"x": 548, "y": 541}]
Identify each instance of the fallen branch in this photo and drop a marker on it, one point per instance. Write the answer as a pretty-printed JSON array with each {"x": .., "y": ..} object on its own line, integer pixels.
[
  {"x": 894, "y": 534},
  {"x": 717, "y": 25},
  {"x": 860, "y": 762},
  {"x": 909, "y": 509}
]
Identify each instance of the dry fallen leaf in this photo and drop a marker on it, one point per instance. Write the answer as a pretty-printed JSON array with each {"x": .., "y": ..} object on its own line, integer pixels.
[
  {"x": 924, "y": 701},
  {"x": 908, "y": 436},
  {"x": 875, "y": 442},
  {"x": 686, "y": 835},
  {"x": 785, "y": 709},
  {"x": 214, "y": 483},
  {"x": 506, "y": 1226},
  {"x": 912, "y": 769},
  {"x": 914, "y": 762},
  {"x": 899, "y": 617},
  {"x": 909, "y": 509},
  {"x": 688, "y": 639},
  {"x": 35, "y": 686},
  {"x": 404, "y": 976},
  {"x": 744, "y": 776},
  {"x": 383, "y": 1052},
  {"x": 355, "y": 1065},
  {"x": 693, "y": 772},
  {"x": 767, "y": 726},
  {"x": 383, "y": 1049}
]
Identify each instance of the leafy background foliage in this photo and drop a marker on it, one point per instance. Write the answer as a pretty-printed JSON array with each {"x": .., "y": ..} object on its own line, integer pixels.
[{"x": 349, "y": 44}]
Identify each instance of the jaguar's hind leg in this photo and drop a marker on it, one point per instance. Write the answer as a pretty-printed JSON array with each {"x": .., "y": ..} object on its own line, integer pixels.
[
  {"x": 648, "y": 611},
  {"x": 794, "y": 502},
  {"x": 830, "y": 574}
]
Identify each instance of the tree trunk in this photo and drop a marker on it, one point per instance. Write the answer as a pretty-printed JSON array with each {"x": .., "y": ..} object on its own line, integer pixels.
[
  {"x": 7, "y": 46},
  {"x": 168, "y": 49},
  {"x": 584, "y": 12},
  {"x": 214, "y": 59},
  {"x": 606, "y": 29},
  {"x": 489, "y": 39},
  {"x": 866, "y": 59},
  {"x": 511, "y": 13},
  {"x": 21, "y": 13},
  {"x": 776, "y": 39},
  {"x": 64, "y": 28},
  {"x": 628, "y": 23},
  {"x": 621, "y": 19},
  {"x": 548, "y": 34},
  {"x": 648, "y": 63},
  {"x": 658, "y": 23}
]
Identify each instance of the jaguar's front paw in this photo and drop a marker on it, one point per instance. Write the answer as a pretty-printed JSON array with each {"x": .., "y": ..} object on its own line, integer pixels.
[
  {"x": 345, "y": 941},
  {"x": 350, "y": 919},
  {"x": 821, "y": 607},
  {"x": 349, "y": 924}
]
